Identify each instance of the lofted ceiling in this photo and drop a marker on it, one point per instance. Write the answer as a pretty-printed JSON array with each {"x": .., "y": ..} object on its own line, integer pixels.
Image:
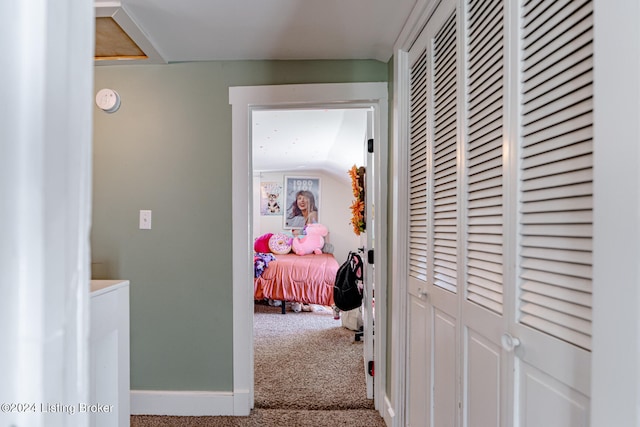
[{"x": 331, "y": 140}]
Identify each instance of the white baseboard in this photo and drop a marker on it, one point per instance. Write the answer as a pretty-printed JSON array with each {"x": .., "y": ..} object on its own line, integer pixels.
[
  {"x": 188, "y": 403},
  {"x": 389, "y": 414}
]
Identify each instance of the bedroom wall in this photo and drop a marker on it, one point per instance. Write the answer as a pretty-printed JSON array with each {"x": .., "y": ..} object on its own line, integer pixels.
[
  {"x": 335, "y": 197},
  {"x": 168, "y": 149}
]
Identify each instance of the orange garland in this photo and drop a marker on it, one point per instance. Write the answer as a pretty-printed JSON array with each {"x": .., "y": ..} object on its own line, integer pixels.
[{"x": 357, "y": 207}]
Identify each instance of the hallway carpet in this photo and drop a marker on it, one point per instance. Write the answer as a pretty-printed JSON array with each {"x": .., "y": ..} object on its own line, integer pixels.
[
  {"x": 309, "y": 371},
  {"x": 270, "y": 418}
]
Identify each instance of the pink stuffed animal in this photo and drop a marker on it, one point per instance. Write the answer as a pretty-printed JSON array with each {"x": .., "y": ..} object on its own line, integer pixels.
[{"x": 312, "y": 241}]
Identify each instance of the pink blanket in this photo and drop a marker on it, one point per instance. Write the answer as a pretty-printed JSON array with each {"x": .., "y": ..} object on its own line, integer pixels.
[{"x": 307, "y": 279}]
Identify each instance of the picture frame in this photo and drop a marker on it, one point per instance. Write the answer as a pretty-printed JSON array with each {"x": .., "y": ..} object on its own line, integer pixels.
[
  {"x": 271, "y": 199},
  {"x": 299, "y": 213}
]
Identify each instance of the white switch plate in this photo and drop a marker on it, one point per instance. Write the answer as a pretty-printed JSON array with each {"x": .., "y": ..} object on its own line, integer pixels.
[{"x": 145, "y": 220}]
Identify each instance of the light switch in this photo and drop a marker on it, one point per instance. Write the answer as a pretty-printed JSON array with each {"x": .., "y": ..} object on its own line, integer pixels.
[{"x": 145, "y": 220}]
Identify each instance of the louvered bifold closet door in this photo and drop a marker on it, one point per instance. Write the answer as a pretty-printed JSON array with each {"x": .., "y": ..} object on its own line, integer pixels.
[
  {"x": 556, "y": 169},
  {"x": 484, "y": 153},
  {"x": 418, "y": 170},
  {"x": 445, "y": 135},
  {"x": 417, "y": 361}
]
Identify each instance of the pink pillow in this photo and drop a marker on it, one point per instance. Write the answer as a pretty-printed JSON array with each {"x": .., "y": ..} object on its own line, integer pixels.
[{"x": 262, "y": 243}]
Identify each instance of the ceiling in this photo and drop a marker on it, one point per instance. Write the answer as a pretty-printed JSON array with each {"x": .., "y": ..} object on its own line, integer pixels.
[
  {"x": 169, "y": 31},
  {"x": 206, "y": 30},
  {"x": 331, "y": 140}
]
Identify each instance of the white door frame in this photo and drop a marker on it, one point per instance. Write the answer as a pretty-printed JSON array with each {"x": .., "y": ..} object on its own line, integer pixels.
[
  {"x": 400, "y": 232},
  {"x": 615, "y": 366},
  {"x": 244, "y": 100}
]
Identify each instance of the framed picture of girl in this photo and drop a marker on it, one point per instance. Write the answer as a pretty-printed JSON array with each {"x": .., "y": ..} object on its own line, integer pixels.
[{"x": 302, "y": 201}]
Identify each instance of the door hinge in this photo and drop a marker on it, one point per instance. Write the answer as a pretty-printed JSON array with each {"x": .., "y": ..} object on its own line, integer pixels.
[
  {"x": 370, "y": 145},
  {"x": 370, "y": 368},
  {"x": 370, "y": 256}
]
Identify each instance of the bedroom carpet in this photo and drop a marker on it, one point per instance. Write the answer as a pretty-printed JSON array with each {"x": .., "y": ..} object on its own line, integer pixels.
[
  {"x": 306, "y": 360},
  {"x": 309, "y": 371}
]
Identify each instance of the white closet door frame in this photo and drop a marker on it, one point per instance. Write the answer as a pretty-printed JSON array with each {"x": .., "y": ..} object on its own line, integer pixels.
[{"x": 616, "y": 277}]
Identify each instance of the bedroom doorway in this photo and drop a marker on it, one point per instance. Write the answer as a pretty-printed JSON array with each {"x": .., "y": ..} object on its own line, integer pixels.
[
  {"x": 324, "y": 147},
  {"x": 245, "y": 102}
]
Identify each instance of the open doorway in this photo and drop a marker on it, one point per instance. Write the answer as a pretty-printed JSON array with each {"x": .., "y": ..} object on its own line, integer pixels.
[
  {"x": 246, "y": 101},
  {"x": 321, "y": 144},
  {"x": 303, "y": 151}
]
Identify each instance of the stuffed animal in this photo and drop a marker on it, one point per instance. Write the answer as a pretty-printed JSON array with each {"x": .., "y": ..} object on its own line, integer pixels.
[{"x": 312, "y": 241}]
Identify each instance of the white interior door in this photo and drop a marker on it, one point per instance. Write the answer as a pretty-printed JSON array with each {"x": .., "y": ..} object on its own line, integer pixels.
[
  {"x": 485, "y": 381},
  {"x": 432, "y": 366},
  {"x": 369, "y": 246},
  {"x": 500, "y": 178},
  {"x": 418, "y": 311},
  {"x": 555, "y": 178}
]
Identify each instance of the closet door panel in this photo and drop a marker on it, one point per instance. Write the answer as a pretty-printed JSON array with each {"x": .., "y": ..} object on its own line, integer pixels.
[
  {"x": 555, "y": 215},
  {"x": 483, "y": 397},
  {"x": 445, "y": 397},
  {"x": 483, "y": 197},
  {"x": 418, "y": 378},
  {"x": 551, "y": 403},
  {"x": 418, "y": 359}
]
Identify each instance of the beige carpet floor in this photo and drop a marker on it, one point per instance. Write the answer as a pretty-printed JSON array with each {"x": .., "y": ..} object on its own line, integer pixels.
[
  {"x": 271, "y": 418},
  {"x": 307, "y": 360},
  {"x": 309, "y": 371}
]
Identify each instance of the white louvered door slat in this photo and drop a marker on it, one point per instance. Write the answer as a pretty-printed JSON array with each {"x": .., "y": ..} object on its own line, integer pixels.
[
  {"x": 418, "y": 171},
  {"x": 556, "y": 170},
  {"x": 484, "y": 155},
  {"x": 445, "y": 157}
]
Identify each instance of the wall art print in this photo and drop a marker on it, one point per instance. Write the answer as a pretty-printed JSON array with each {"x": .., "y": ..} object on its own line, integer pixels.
[
  {"x": 302, "y": 201},
  {"x": 271, "y": 199}
]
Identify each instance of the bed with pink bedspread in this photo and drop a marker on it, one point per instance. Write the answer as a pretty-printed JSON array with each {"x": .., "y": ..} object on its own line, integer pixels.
[{"x": 301, "y": 278}]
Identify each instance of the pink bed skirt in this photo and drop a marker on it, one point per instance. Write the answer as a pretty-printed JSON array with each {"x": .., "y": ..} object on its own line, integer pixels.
[{"x": 301, "y": 278}]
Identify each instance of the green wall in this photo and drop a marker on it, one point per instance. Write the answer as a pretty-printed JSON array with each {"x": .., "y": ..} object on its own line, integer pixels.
[{"x": 168, "y": 149}]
